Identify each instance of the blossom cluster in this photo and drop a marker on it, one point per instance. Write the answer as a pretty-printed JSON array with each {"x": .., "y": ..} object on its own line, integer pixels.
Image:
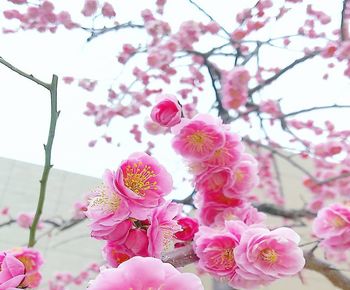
[
  {"x": 223, "y": 174},
  {"x": 20, "y": 269},
  {"x": 248, "y": 256},
  {"x": 129, "y": 211}
]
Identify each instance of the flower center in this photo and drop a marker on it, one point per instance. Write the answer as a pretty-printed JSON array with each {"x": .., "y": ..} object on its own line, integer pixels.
[
  {"x": 107, "y": 201},
  {"x": 197, "y": 139},
  {"x": 338, "y": 222},
  {"x": 138, "y": 177},
  {"x": 224, "y": 258},
  {"x": 239, "y": 175},
  {"x": 269, "y": 255}
]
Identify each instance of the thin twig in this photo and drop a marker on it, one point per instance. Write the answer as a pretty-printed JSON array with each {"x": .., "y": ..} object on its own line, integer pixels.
[
  {"x": 22, "y": 73},
  {"x": 95, "y": 32},
  {"x": 282, "y": 72},
  {"x": 47, "y": 165}
]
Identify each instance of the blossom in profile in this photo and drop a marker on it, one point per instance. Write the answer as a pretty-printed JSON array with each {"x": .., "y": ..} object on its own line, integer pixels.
[
  {"x": 139, "y": 273},
  {"x": 142, "y": 182},
  {"x": 163, "y": 226},
  {"x": 167, "y": 111},
  {"x": 198, "y": 138}
]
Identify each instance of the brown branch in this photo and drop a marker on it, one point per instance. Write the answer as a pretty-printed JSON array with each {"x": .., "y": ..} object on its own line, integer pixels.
[
  {"x": 342, "y": 21},
  {"x": 186, "y": 255},
  {"x": 274, "y": 210},
  {"x": 335, "y": 106},
  {"x": 282, "y": 72},
  {"x": 99, "y": 31},
  {"x": 334, "y": 275}
]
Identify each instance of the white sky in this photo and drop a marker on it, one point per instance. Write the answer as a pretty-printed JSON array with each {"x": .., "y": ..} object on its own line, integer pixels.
[{"x": 24, "y": 106}]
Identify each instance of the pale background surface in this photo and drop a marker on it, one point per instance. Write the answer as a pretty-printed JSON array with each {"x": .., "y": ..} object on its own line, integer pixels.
[{"x": 73, "y": 250}]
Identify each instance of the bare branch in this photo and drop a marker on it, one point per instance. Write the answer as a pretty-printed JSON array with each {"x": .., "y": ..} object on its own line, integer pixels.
[
  {"x": 96, "y": 32},
  {"x": 186, "y": 255},
  {"x": 282, "y": 212},
  {"x": 342, "y": 21},
  {"x": 282, "y": 72},
  {"x": 334, "y": 275},
  {"x": 22, "y": 73}
]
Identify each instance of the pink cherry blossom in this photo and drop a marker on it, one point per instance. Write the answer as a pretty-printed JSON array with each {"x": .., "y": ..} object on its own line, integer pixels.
[
  {"x": 32, "y": 261},
  {"x": 90, "y": 7},
  {"x": 108, "y": 10},
  {"x": 215, "y": 248},
  {"x": 264, "y": 255},
  {"x": 140, "y": 273},
  {"x": 189, "y": 226},
  {"x": 12, "y": 271},
  {"x": 198, "y": 138},
  {"x": 108, "y": 212},
  {"x": 25, "y": 220},
  {"x": 244, "y": 212},
  {"x": 167, "y": 111},
  {"x": 332, "y": 221},
  {"x": 235, "y": 88},
  {"x": 142, "y": 181},
  {"x": 163, "y": 227}
]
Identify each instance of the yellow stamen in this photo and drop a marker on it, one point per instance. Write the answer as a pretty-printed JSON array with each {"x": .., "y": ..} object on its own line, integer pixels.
[
  {"x": 269, "y": 255},
  {"x": 110, "y": 202},
  {"x": 338, "y": 222},
  {"x": 199, "y": 140},
  {"x": 138, "y": 178}
]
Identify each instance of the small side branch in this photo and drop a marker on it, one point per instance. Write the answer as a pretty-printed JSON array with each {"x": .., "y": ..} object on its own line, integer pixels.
[
  {"x": 47, "y": 165},
  {"x": 22, "y": 73}
]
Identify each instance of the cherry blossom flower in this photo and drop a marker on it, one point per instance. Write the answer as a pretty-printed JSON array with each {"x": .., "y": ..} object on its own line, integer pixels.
[{"x": 145, "y": 273}]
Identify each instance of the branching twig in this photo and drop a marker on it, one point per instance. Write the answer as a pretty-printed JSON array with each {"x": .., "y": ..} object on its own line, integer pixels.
[
  {"x": 282, "y": 72},
  {"x": 52, "y": 87},
  {"x": 97, "y": 32},
  {"x": 285, "y": 213}
]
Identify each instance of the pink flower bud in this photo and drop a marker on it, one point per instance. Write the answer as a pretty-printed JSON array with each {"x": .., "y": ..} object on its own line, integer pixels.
[{"x": 167, "y": 112}]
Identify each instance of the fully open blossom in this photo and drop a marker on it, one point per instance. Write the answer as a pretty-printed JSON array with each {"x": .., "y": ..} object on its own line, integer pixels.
[
  {"x": 12, "y": 271},
  {"x": 215, "y": 248},
  {"x": 332, "y": 221},
  {"x": 145, "y": 273},
  {"x": 162, "y": 228},
  {"x": 142, "y": 181},
  {"x": 198, "y": 138},
  {"x": 245, "y": 176},
  {"x": 167, "y": 111},
  {"x": 264, "y": 255}
]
